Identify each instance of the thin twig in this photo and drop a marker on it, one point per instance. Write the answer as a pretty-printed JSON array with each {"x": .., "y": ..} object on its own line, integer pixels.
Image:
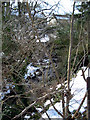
[
  {"x": 57, "y": 110},
  {"x": 74, "y": 116}
]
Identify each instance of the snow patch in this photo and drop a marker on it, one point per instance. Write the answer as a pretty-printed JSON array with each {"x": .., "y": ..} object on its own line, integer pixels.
[
  {"x": 47, "y": 103},
  {"x": 30, "y": 71},
  {"x": 27, "y": 117},
  {"x": 44, "y": 39},
  {"x": 78, "y": 90},
  {"x": 39, "y": 109}
]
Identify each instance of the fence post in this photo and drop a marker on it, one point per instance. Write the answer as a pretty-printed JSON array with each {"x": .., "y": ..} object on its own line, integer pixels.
[{"x": 88, "y": 94}]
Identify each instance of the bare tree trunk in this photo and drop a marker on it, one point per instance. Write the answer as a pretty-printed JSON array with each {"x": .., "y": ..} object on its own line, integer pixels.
[
  {"x": 69, "y": 63},
  {"x": 0, "y": 57},
  {"x": 88, "y": 79},
  {"x": 63, "y": 104},
  {"x": 88, "y": 29},
  {"x": 19, "y": 8}
]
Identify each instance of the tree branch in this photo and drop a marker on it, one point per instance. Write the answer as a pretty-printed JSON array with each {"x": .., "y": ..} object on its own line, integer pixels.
[
  {"x": 80, "y": 106},
  {"x": 27, "y": 108}
]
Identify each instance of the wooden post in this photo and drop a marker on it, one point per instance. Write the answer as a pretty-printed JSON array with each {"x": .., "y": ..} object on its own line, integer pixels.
[{"x": 88, "y": 94}]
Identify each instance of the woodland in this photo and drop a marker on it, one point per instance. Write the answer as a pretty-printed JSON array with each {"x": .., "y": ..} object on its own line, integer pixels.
[{"x": 42, "y": 49}]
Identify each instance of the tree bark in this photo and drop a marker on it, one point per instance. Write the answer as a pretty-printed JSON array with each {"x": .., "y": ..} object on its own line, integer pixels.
[{"x": 0, "y": 57}]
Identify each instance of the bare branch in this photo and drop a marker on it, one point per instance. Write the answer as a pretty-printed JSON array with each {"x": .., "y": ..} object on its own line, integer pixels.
[
  {"x": 57, "y": 110},
  {"x": 74, "y": 116},
  {"x": 38, "y": 99}
]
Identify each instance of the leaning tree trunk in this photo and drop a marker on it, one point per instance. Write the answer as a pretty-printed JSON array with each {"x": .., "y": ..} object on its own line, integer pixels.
[{"x": 69, "y": 64}]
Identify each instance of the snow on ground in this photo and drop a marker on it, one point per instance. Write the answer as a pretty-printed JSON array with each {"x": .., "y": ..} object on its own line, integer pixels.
[
  {"x": 2, "y": 94},
  {"x": 52, "y": 113},
  {"x": 44, "y": 39},
  {"x": 30, "y": 70},
  {"x": 39, "y": 109},
  {"x": 47, "y": 102},
  {"x": 58, "y": 86},
  {"x": 78, "y": 90},
  {"x": 27, "y": 117}
]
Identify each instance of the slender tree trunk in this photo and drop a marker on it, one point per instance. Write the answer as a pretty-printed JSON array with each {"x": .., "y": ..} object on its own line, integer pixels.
[
  {"x": 88, "y": 29},
  {"x": 19, "y": 8},
  {"x": 88, "y": 79},
  {"x": 69, "y": 64},
  {"x": 0, "y": 57},
  {"x": 63, "y": 103},
  {"x": 8, "y": 9}
]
